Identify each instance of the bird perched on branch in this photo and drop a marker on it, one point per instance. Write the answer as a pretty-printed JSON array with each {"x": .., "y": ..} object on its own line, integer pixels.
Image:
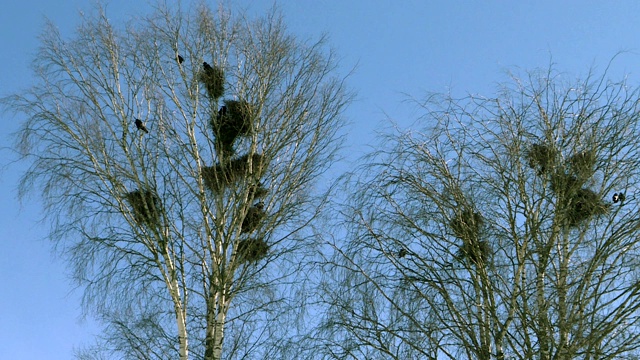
[
  {"x": 618, "y": 197},
  {"x": 140, "y": 126},
  {"x": 180, "y": 59}
]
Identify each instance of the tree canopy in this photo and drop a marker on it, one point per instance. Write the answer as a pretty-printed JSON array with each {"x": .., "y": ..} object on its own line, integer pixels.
[
  {"x": 488, "y": 230},
  {"x": 186, "y": 226}
]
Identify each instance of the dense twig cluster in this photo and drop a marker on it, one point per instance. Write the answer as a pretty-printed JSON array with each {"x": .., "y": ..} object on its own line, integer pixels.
[
  {"x": 541, "y": 157},
  {"x": 218, "y": 177},
  {"x": 233, "y": 120},
  {"x": 213, "y": 79},
  {"x": 568, "y": 181},
  {"x": 252, "y": 250},
  {"x": 254, "y": 217},
  {"x": 467, "y": 226},
  {"x": 145, "y": 206}
]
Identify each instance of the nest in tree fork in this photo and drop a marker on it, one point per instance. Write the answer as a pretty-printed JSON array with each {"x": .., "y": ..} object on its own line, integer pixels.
[
  {"x": 467, "y": 226},
  {"x": 254, "y": 217},
  {"x": 213, "y": 79},
  {"x": 541, "y": 157},
  {"x": 145, "y": 206},
  {"x": 252, "y": 250},
  {"x": 583, "y": 205},
  {"x": 234, "y": 119},
  {"x": 218, "y": 177},
  {"x": 583, "y": 164}
]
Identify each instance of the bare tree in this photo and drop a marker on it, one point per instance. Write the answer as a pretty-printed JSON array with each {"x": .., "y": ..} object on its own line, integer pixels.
[
  {"x": 176, "y": 158},
  {"x": 494, "y": 233}
]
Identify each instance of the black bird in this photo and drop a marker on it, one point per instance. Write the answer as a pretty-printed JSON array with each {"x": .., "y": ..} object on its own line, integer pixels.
[
  {"x": 140, "y": 126},
  {"x": 180, "y": 59},
  {"x": 402, "y": 253},
  {"x": 207, "y": 68},
  {"x": 618, "y": 198},
  {"x": 222, "y": 112}
]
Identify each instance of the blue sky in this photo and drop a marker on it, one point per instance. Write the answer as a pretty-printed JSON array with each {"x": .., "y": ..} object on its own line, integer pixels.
[{"x": 396, "y": 47}]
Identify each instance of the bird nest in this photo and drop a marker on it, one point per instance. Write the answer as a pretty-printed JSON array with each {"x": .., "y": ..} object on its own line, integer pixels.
[
  {"x": 252, "y": 250},
  {"x": 254, "y": 217},
  {"x": 218, "y": 177},
  {"x": 583, "y": 205},
  {"x": 213, "y": 79},
  {"x": 466, "y": 225},
  {"x": 145, "y": 206},
  {"x": 583, "y": 164},
  {"x": 234, "y": 119},
  {"x": 541, "y": 157}
]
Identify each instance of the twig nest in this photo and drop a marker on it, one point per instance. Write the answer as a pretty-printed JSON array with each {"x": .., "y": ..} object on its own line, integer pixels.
[
  {"x": 213, "y": 79},
  {"x": 233, "y": 120},
  {"x": 583, "y": 164},
  {"x": 218, "y": 177},
  {"x": 254, "y": 217},
  {"x": 583, "y": 205},
  {"x": 252, "y": 250},
  {"x": 541, "y": 157},
  {"x": 466, "y": 225},
  {"x": 145, "y": 206}
]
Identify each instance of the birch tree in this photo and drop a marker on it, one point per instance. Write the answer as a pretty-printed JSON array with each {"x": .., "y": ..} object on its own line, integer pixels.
[
  {"x": 502, "y": 227},
  {"x": 177, "y": 159}
]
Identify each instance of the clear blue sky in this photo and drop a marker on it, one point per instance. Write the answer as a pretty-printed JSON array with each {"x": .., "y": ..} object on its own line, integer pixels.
[{"x": 397, "y": 47}]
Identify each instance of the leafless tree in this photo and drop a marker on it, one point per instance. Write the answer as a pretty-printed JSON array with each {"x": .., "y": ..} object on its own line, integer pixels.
[
  {"x": 188, "y": 226},
  {"x": 492, "y": 234}
]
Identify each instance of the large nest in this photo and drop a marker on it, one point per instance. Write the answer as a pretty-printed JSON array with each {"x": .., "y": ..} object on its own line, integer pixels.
[
  {"x": 467, "y": 226},
  {"x": 252, "y": 250},
  {"x": 234, "y": 119},
  {"x": 213, "y": 79},
  {"x": 583, "y": 205},
  {"x": 254, "y": 217},
  {"x": 583, "y": 164},
  {"x": 221, "y": 175},
  {"x": 541, "y": 157},
  {"x": 145, "y": 206}
]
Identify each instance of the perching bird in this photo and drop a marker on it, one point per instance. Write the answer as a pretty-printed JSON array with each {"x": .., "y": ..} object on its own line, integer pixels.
[
  {"x": 402, "y": 253},
  {"x": 180, "y": 59},
  {"x": 140, "y": 126},
  {"x": 222, "y": 112},
  {"x": 207, "y": 68},
  {"x": 618, "y": 197}
]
